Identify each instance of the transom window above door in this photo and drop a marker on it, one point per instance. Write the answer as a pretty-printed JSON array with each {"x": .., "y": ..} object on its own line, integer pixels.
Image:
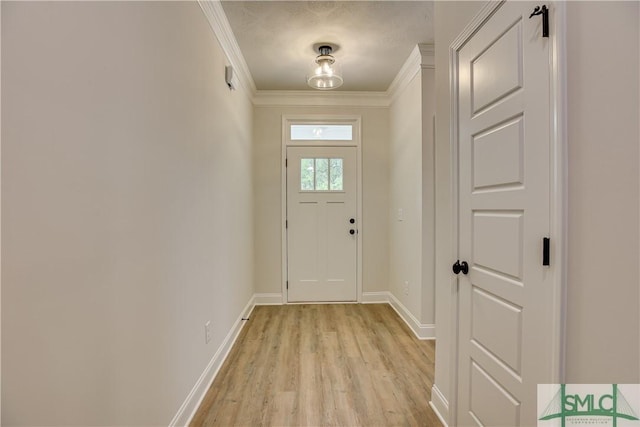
[
  {"x": 318, "y": 131},
  {"x": 321, "y": 132},
  {"x": 321, "y": 174}
]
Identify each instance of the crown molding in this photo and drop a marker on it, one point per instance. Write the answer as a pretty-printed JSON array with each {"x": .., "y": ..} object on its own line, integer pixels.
[
  {"x": 421, "y": 57},
  {"x": 219, "y": 24},
  {"x": 310, "y": 98},
  {"x": 428, "y": 54}
]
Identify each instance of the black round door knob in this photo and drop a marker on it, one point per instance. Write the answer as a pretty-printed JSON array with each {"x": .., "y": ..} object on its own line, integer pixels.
[
  {"x": 456, "y": 267},
  {"x": 460, "y": 267},
  {"x": 352, "y": 220},
  {"x": 352, "y": 231},
  {"x": 464, "y": 267}
]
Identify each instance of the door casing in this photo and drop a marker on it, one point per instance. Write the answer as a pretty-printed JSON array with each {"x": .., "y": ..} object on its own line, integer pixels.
[
  {"x": 355, "y": 121},
  {"x": 558, "y": 190}
]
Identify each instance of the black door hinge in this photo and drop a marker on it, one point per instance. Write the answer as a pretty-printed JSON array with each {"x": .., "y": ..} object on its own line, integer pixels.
[
  {"x": 544, "y": 11},
  {"x": 545, "y": 250}
]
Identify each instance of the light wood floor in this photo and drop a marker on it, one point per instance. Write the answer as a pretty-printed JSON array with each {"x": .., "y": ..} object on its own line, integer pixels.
[{"x": 317, "y": 365}]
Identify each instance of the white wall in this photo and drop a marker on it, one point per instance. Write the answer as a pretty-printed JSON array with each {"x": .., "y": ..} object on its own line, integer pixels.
[
  {"x": 405, "y": 194},
  {"x": 126, "y": 211},
  {"x": 428, "y": 195},
  {"x": 412, "y": 210},
  {"x": 603, "y": 113},
  {"x": 602, "y": 322},
  {"x": 267, "y": 126},
  {"x": 0, "y": 228}
]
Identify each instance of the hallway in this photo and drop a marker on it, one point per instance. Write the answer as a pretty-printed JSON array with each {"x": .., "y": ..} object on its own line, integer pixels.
[
  {"x": 347, "y": 364},
  {"x": 144, "y": 212}
]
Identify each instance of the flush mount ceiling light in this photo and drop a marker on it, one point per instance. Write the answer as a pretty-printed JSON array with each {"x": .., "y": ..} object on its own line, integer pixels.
[{"x": 325, "y": 73}]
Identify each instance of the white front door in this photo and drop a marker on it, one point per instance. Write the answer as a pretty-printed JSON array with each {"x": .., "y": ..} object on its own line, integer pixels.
[
  {"x": 506, "y": 318},
  {"x": 322, "y": 228}
]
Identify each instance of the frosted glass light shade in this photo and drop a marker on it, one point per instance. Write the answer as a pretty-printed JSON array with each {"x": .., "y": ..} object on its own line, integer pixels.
[{"x": 325, "y": 73}]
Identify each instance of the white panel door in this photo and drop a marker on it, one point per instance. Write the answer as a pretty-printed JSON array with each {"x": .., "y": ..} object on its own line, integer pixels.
[
  {"x": 505, "y": 313},
  {"x": 322, "y": 228}
]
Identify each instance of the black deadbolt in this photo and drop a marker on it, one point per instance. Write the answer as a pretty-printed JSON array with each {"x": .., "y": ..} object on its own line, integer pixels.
[
  {"x": 352, "y": 220},
  {"x": 352, "y": 231}
]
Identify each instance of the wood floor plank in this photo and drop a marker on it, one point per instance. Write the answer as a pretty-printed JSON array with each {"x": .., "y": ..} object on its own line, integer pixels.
[{"x": 323, "y": 365}]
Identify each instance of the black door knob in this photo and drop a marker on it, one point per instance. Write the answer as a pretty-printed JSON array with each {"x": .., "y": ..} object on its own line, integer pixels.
[
  {"x": 460, "y": 267},
  {"x": 352, "y": 231},
  {"x": 456, "y": 267},
  {"x": 352, "y": 220}
]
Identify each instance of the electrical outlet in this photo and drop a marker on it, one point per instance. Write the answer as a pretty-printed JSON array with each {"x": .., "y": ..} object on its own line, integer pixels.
[
  {"x": 406, "y": 287},
  {"x": 207, "y": 332}
]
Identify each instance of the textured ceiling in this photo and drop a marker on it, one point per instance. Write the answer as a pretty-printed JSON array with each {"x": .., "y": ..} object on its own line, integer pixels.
[{"x": 375, "y": 38}]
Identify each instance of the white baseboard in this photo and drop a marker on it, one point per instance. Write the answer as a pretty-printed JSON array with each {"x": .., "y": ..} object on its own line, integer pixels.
[
  {"x": 268, "y": 299},
  {"x": 375, "y": 297},
  {"x": 439, "y": 405},
  {"x": 421, "y": 330},
  {"x": 193, "y": 400}
]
